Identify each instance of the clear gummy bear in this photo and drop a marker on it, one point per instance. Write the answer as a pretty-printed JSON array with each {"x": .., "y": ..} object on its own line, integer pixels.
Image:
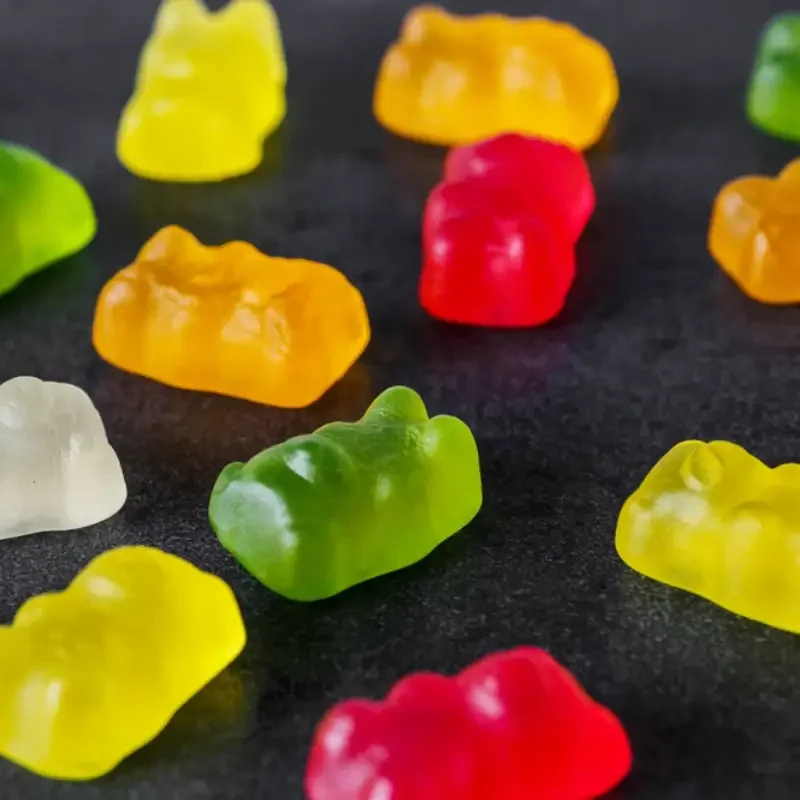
[{"x": 57, "y": 468}]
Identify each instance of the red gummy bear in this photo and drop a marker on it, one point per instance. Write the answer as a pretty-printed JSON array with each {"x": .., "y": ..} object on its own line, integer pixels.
[
  {"x": 500, "y": 230},
  {"x": 515, "y": 726}
]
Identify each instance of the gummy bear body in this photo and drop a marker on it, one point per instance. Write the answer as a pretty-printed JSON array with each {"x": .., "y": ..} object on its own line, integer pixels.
[
  {"x": 210, "y": 89},
  {"x": 755, "y": 234},
  {"x": 91, "y": 674},
  {"x": 57, "y": 469},
  {"x": 514, "y": 725},
  {"x": 714, "y": 520},
  {"x": 499, "y": 232},
  {"x": 231, "y": 320},
  {"x": 320, "y": 513},
  {"x": 45, "y": 215},
  {"x": 773, "y": 100},
  {"x": 453, "y": 80}
]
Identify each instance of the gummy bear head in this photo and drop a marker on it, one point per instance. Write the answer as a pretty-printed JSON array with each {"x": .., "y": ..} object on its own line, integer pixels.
[
  {"x": 447, "y": 448},
  {"x": 189, "y": 27},
  {"x": 679, "y": 517}
]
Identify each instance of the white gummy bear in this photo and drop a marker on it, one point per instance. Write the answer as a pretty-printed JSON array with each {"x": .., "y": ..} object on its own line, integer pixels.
[{"x": 57, "y": 470}]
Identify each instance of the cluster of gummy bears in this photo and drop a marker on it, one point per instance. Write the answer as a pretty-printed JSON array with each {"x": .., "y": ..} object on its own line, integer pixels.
[{"x": 91, "y": 674}]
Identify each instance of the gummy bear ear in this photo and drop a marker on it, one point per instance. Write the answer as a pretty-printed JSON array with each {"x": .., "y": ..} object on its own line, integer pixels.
[
  {"x": 253, "y": 12},
  {"x": 252, "y": 15},
  {"x": 258, "y": 16},
  {"x": 170, "y": 242},
  {"x": 423, "y": 22},
  {"x": 174, "y": 14},
  {"x": 791, "y": 173},
  {"x": 398, "y": 403},
  {"x": 702, "y": 469}
]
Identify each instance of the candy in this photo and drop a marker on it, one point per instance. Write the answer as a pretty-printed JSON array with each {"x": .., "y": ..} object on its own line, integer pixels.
[
  {"x": 45, "y": 215},
  {"x": 231, "y": 320},
  {"x": 499, "y": 232},
  {"x": 773, "y": 101},
  {"x": 453, "y": 80},
  {"x": 755, "y": 234},
  {"x": 514, "y": 725},
  {"x": 57, "y": 469},
  {"x": 209, "y": 90},
  {"x": 713, "y": 520},
  {"x": 319, "y": 513},
  {"x": 93, "y": 673}
]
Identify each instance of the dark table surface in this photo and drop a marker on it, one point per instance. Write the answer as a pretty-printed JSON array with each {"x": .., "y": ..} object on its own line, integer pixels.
[{"x": 655, "y": 346}]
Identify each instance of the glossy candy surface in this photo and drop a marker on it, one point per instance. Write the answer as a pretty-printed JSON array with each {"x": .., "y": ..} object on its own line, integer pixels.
[
  {"x": 499, "y": 232},
  {"x": 320, "y": 513},
  {"x": 57, "y": 469},
  {"x": 714, "y": 520},
  {"x": 755, "y": 234},
  {"x": 45, "y": 215},
  {"x": 515, "y": 726},
  {"x": 210, "y": 89},
  {"x": 93, "y": 673},
  {"x": 773, "y": 101},
  {"x": 231, "y": 320},
  {"x": 455, "y": 80}
]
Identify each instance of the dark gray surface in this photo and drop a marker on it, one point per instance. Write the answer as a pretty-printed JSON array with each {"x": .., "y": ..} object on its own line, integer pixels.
[{"x": 655, "y": 346}]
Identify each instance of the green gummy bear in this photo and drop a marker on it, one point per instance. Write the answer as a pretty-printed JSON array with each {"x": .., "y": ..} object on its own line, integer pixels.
[
  {"x": 320, "y": 513},
  {"x": 45, "y": 215},
  {"x": 773, "y": 101}
]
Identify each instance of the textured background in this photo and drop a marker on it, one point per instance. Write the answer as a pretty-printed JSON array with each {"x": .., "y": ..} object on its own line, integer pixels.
[{"x": 655, "y": 346}]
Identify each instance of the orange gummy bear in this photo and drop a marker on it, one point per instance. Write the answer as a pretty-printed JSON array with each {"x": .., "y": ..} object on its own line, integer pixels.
[
  {"x": 755, "y": 234},
  {"x": 231, "y": 320},
  {"x": 454, "y": 80}
]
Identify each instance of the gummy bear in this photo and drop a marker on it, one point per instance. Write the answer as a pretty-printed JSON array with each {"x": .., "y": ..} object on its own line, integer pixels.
[
  {"x": 755, "y": 234},
  {"x": 714, "y": 520},
  {"x": 210, "y": 89},
  {"x": 93, "y": 673},
  {"x": 773, "y": 101},
  {"x": 455, "y": 80},
  {"x": 499, "y": 232},
  {"x": 320, "y": 513},
  {"x": 57, "y": 469},
  {"x": 515, "y": 725},
  {"x": 231, "y": 320},
  {"x": 45, "y": 215}
]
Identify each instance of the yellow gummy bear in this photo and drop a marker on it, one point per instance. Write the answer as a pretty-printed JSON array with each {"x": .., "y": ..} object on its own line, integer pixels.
[
  {"x": 714, "y": 520},
  {"x": 93, "y": 673},
  {"x": 210, "y": 89}
]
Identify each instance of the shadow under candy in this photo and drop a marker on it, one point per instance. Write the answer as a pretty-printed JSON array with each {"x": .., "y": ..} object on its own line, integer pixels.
[
  {"x": 224, "y": 709},
  {"x": 50, "y": 286},
  {"x": 415, "y": 165},
  {"x": 211, "y": 210}
]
